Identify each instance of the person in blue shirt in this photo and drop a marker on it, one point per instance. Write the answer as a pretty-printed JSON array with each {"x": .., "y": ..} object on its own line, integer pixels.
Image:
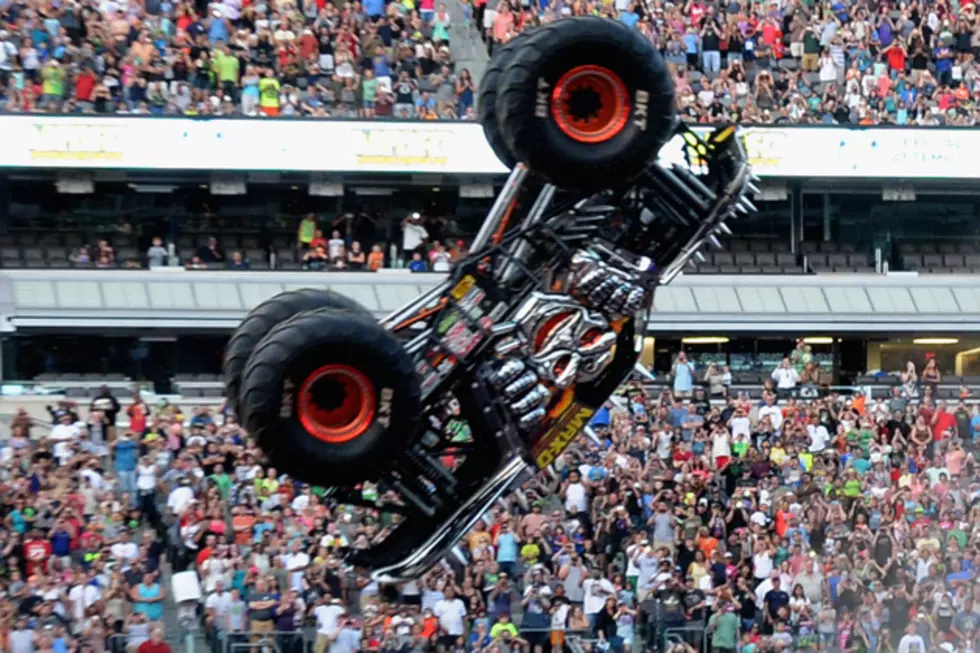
[
  {"x": 683, "y": 373},
  {"x": 60, "y": 541},
  {"x": 263, "y": 527},
  {"x": 148, "y": 598},
  {"x": 958, "y": 574},
  {"x": 629, "y": 17},
  {"x": 202, "y": 419},
  {"x": 417, "y": 264},
  {"x": 507, "y": 549},
  {"x": 16, "y": 520},
  {"x": 480, "y": 637},
  {"x": 348, "y": 639},
  {"x": 217, "y": 28},
  {"x": 126, "y": 453},
  {"x": 692, "y": 44}
]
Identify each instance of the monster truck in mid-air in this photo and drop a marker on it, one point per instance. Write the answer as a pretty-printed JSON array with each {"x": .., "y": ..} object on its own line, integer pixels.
[{"x": 434, "y": 413}]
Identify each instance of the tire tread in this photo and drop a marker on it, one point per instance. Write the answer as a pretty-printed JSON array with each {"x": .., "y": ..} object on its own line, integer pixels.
[
  {"x": 263, "y": 318},
  {"x": 262, "y": 381},
  {"x": 518, "y": 126}
]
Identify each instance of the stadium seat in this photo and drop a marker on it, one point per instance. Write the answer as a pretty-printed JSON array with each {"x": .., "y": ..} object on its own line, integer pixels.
[
  {"x": 912, "y": 262},
  {"x": 932, "y": 260}
]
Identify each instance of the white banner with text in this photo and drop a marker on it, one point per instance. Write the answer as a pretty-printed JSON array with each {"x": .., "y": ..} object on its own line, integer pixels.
[{"x": 338, "y": 146}]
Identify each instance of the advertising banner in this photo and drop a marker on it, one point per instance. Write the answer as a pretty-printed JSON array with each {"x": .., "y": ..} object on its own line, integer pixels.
[{"x": 339, "y": 146}]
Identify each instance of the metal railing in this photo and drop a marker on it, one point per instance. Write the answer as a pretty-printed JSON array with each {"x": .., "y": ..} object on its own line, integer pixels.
[{"x": 694, "y": 636}]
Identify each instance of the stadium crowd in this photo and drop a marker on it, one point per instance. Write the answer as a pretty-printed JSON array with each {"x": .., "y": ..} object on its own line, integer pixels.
[
  {"x": 776, "y": 62},
  {"x": 315, "y": 58},
  {"x": 420, "y": 250},
  {"x": 807, "y": 521},
  {"x": 845, "y": 62},
  {"x": 419, "y": 243}
]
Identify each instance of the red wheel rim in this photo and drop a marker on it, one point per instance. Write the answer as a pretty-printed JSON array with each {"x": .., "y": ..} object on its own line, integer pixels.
[
  {"x": 590, "y": 104},
  {"x": 336, "y": 403}
]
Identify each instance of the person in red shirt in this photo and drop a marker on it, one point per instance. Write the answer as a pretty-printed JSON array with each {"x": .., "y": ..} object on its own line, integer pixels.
[
  {"x": 896, "y": 55},
  {"x": 942, "y": 421},
  {"x": 85, "y": 85},
  {"x": 138, "y": 413},
  {"x": 155, "y": 644},
  {"x": 37, "y": 551},
  {"x": 207, "y": 551}
]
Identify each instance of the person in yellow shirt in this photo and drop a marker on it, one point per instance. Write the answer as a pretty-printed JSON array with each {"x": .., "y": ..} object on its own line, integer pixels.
[
  {"x": 225, "y": 66},
  {"x": 53, "y": 82},
  {"x": 503, "y": 625},
  {"x": 269, "y": 93},
  {"x": 530, "y": 552},
  {"x": 307, "y": 231},
  {"x": 479, "y": 537}
]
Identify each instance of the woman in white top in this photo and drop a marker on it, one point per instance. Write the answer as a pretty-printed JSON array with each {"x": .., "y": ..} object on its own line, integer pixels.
[
  {"x": 762, "y": 561},
  {"x": 146, "y": 489},
  {"x": 910, "y": 381},
  {"x": 799, "y": 605},
  {"x": 828, "y": 68},
  {"x": 440, "y": 259},
  {"x": 721, "y": 447},
  {"x": 259, "y": 559}
]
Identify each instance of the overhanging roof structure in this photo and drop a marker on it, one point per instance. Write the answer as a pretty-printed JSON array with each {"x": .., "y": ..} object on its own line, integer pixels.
[{"x": 205, "y": 300}]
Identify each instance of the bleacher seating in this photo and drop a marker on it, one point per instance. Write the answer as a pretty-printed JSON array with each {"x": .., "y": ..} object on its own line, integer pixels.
[{"x": 940, "y": 258}]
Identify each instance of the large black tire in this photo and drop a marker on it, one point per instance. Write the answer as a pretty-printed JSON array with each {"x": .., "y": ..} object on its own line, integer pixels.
[
  {"x": 260, "y": 321},
  {"x": 331, "y": 397},
  {"x": 586, "y": 103},
  {"x": 487, "y": 102}
]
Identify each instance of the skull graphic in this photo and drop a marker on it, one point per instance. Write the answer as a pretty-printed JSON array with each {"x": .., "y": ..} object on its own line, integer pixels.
[{"x": 567, "y": 341}]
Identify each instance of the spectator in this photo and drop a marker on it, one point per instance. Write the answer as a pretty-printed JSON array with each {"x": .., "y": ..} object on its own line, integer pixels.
[
  {"x": 335, "y": 247},
  {"x": 376, "y": 259},
  {"x": 786, "y": 377},
  {"x": 211, "y": 253},
  {"x": 155, "y": 644},
  {"x": 307, "y": 232},
  {"x": 157, "y": 254},
  {"x": 237, "y": 262},
  {"x": 683, "y": 374},
  {"x": 107, "y": 406},
  {"x": 417, "y": 264},
  {"x": 316, "y": 259},
  {"x": 126, "y": 450},
  {"x": 356, "y": 258}
]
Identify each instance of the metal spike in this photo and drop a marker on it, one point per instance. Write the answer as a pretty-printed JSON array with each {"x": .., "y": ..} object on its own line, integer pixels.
[
  {"x": 754, "y": 178},
  {"x": 713, "y": 239},
  {"x": 748, "y": 205},
  {"x": 752, "y": 188},
  {"x": 595, "y": 209},
  {"x": 590, "y": 433},
  {"x": 691, "y": 262},
  {"x": 700, "y": 257},
  {"x": 741, "y": 209},
  {"x": 642, "y": 371},
  {"x": 724, "y": 228}
]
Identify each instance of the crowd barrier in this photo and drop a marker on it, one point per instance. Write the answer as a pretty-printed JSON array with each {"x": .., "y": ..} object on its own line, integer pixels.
[{"x": 649, "y": 634}]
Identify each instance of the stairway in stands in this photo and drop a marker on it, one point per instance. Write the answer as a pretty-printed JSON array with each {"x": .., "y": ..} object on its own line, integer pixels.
[{"x": 465, "y": 42}]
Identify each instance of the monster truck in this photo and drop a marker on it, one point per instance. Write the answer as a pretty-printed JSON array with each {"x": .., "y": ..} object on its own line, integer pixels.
[{"x": 430, "y": 415}]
